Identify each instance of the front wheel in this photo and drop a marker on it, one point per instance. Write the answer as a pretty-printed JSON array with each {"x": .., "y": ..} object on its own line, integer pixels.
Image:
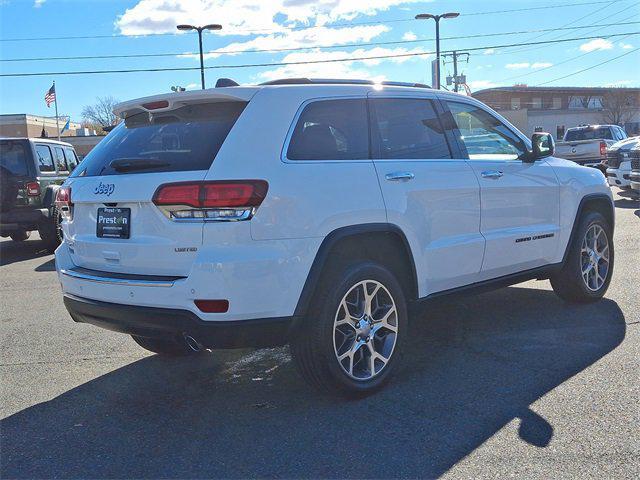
[
  {"x": 353, "y": 338},
  {"x": 587, "y": 271}
]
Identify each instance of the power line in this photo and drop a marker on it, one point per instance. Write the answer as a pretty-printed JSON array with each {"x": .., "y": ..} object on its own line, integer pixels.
[
  {"x": 588, "y": 68},
  {"x": 295, "y": 28},
  {"x": 305, "y": 62},
  {"x": 291, "y": 49}
]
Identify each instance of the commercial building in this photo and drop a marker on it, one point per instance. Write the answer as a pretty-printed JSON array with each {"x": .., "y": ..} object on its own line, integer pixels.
[
  {"x": 25, "y": 125},
  {"x": 554, "y": 109}
]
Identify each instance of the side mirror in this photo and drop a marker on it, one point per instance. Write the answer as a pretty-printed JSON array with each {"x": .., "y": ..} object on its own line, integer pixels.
[{"x": 543, "y": 146}]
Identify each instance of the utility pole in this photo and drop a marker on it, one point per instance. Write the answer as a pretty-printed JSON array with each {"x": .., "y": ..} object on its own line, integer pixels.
[
  {"x": 457, "y": 79},
  {"x": 55, "y": 102}
]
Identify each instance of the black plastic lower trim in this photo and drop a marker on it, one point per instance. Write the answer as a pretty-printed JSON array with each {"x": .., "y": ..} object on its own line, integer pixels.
[{"x": 165, "y": 322}]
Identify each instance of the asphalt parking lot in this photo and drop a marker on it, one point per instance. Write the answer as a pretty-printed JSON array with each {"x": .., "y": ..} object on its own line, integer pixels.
[{"x": 508, "y": 383}]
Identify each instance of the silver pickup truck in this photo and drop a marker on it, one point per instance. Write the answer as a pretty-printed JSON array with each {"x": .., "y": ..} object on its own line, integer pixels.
[{"x": 587, "y": 145}]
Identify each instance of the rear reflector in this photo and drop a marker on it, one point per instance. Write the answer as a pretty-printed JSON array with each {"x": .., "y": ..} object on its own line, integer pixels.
[
  {"x": 212, "y": 306},
  {"x": 603, "y": 148},
  {"x": 33, "y": 189}
]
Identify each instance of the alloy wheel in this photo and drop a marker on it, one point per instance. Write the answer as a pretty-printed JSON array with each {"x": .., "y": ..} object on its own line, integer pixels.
[
  {"x": 365, "y": 330},
  {"x": 595, "y": 257}
]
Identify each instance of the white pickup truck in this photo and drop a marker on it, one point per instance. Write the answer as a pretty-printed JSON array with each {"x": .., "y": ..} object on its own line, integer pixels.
[{"x": 587, "y": 145}]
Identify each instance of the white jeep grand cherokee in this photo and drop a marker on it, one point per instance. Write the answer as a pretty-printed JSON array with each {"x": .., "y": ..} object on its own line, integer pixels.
[{"x": 313, "y": 212}]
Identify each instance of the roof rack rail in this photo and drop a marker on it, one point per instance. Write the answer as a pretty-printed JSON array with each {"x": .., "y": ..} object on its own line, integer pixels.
[{"x": 339, "y": 81}]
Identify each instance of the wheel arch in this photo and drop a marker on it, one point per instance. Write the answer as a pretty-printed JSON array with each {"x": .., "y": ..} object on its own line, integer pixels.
[
  {"x": 594, "y": 202},
  {"x": 49, "y": 198},
  {"x": 382, "y": 242}
]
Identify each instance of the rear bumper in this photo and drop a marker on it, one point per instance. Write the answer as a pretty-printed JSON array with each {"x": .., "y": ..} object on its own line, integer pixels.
[
  {"x": 166, "y": 323},
  {"x": 22, "y": 219}
]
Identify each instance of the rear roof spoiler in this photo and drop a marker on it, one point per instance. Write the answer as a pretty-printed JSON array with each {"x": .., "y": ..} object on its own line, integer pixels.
[{"x": 170, "y": 101}]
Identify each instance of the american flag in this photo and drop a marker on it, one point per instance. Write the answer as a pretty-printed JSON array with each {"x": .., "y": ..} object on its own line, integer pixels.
[{"x": 50, "y": 96}]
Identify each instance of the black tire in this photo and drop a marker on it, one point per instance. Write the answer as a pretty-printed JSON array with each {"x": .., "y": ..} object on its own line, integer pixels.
[
  {"x": 20, "y": 236},
  {"x": 569, "y": 283},
  {"x": 161, "y": 346},
  {"x": 312, "y": 346},
  {"x": 51, "y": 231}
]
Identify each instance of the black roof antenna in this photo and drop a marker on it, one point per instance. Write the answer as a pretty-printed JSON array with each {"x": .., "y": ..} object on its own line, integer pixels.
[{"x": 226, "y": 82}]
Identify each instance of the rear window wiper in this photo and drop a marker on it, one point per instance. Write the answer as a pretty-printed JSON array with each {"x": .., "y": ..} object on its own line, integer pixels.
[{"x": 133, "y": 164}]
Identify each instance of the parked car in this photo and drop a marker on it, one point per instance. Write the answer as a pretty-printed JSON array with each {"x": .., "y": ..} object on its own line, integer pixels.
[
  {"x": 619, "y": 162},
  {"x": 31, "y": 171},
  {"x": 587, "y": 145},
  {"x": 313, "y": 212},
  {"x": 634, "y": 177}
]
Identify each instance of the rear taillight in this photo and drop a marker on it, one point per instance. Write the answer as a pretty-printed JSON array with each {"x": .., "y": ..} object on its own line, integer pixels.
[
  {"x": 216, "y": 201},
  {"x": 63, "y": 202},
  {"x": 33, "y": 189},
  {"x": 603, "y": 149}
]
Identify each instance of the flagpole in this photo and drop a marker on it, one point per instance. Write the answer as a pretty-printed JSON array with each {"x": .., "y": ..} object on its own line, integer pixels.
[{"x": 55, "y": 100}]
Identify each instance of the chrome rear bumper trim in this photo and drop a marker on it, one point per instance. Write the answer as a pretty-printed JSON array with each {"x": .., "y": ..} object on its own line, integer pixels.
[{"x": 129, "y": 282}]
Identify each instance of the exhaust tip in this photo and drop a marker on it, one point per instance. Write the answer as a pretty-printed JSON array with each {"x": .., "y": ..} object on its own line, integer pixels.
[{"x": 192, "y": 343}]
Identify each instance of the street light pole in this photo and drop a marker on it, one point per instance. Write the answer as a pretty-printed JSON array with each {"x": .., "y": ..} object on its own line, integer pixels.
[
  {"x": 436, "y": 18},
  {"x": 212, "y": 26}
]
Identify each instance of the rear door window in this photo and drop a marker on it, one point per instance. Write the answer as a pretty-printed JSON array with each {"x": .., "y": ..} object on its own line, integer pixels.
[
  {"x": 331, "y": 130},
  {"x": 187, "y": 138},
  {"x": 45, "y": 159},
  {"x": 71, "y": 158},
  {"x": 408, "y": 128},
  {"x": 14, "y": 157},
  {"x": 60, "y": 160}
]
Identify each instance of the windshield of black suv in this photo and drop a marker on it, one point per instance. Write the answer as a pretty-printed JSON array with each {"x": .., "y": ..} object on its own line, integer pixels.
[
  {"x": 13, "y": 157},
  {"x": 187, "y": 138},
  {"x": 595, "y": 133}
]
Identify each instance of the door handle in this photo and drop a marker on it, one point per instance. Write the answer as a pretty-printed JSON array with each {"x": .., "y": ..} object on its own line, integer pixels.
[
  {"x": 495, "y": 174},
  {"x": 399, "y": 176}
]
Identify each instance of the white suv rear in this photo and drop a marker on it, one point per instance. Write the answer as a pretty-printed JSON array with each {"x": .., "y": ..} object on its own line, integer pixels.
[{"x": 311, "y": 213}]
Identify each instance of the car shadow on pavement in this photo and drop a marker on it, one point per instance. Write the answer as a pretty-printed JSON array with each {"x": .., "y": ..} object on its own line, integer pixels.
[
  {"x": 12, "y": 252},
  {"x": 473, "y": 365}
]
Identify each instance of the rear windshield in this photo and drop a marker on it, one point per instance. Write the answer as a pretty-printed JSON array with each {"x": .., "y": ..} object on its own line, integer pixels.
[
  {"x": 187, "y": 138},
  {"x": 589, "y": 134},
  {"x": 13, "y": 157}
]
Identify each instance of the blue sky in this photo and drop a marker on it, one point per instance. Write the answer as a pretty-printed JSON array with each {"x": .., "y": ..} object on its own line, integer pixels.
[{"x": 275, "y": 24}]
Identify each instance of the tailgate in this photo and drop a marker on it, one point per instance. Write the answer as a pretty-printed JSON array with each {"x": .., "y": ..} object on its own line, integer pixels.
[{"x": 153, "y": 244}]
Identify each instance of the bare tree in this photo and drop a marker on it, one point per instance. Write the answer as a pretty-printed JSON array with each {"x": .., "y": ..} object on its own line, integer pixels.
[
  {"x": 619, "y": 105},
  {"x": 101, "y": 113}
]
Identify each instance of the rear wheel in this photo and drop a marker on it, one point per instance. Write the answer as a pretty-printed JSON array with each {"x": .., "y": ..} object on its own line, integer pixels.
[
  {"x": 353, "y": 340},
  {"x": 20, "y": 236},
  {"x": 587, "y": 272},
  {"x": 51, "y": 231},
  {"x": 163, "y": 346}
]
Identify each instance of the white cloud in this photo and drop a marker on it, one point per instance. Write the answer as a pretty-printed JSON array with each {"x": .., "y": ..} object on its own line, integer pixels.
[
  {"x": 38, "y": 3},
  {"x": 346, "y": 69},
  {"x": 517, "y": 66},
  {"x": 409, "y": 36},
  {"x": 489, "y": 51},
  {"x": 243, "y": 17},
  {"x": 596, "y": 44},
  {"x": 523, "y": 65},
  {"x": 302, "y": 38},
  {"x": 625, "y": 46},
  {"x": 192, "y": 86},
  {"x": 480, "y": 84}
]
